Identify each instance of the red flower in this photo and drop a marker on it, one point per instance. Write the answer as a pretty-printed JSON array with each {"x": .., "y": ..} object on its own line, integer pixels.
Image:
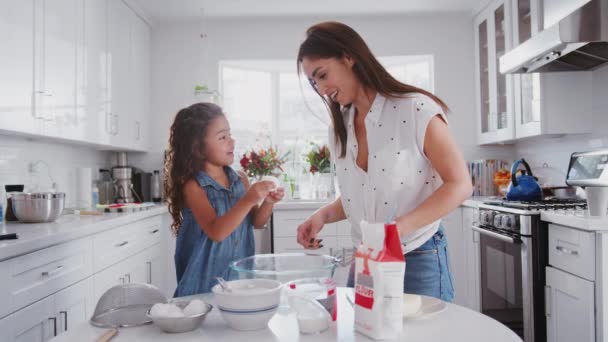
[{"x": 244, "y": 162}]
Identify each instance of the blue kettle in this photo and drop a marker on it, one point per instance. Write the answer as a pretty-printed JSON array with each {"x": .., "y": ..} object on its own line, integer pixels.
[{"x": 523, "y": 187}]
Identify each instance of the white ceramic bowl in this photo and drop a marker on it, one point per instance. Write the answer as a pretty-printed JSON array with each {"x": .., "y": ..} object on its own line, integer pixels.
[{"x": 250, "y": 304}]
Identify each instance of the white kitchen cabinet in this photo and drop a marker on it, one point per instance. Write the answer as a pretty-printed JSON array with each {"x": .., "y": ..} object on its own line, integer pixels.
[
  {"x": 569, "y": 307},
  {"x": 453, "y": 225},
  {"x": 154, "y": 266},
  {"x": 56, "y": 24},
  {"x": 16, "y": 87},
  {"x": 140, "y": 57},
  {"x": 495, "y": 106},
  {"x": 471, "y": 249},
  {"x": 50, "y": 316},
  {"x": 74, "y": 305}
]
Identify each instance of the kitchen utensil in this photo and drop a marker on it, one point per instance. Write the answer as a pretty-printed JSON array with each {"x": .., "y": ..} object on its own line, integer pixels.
[
  {"x": 38, "y": 207},
  {"x": 107, "y": 335},
  {"x": 322, "y": 290},
  {"x": 250, "y": 304},
  {"x": 284, "y": 267},
  {"x": 126, "y": 305},
  {"x": 223, "y": 284},
  {"x": 311, "y": 316},
  {"x": 11, "y": 236},
  {"x": 10, "y": 189},
  {"x": 180, "y": 324},
  {"x": 523, "y": 187}
]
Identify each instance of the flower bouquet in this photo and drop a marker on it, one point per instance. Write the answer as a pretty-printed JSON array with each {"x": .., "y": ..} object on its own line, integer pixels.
[
  {"x": 263, "y": 162},
  {"x": 318, "y": 159}
]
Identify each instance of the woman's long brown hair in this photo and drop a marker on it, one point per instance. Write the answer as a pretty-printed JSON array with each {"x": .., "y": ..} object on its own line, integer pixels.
[
  {"x": 184, "y": 157},
  {"x": 335, "y": 40}
]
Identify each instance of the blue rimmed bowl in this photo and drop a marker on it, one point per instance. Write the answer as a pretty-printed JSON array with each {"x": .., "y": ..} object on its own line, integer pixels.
[{"x": 249, "y": 304}]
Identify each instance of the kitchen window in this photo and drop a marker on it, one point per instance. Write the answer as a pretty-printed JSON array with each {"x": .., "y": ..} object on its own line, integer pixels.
[{"x": 268, "y": 104}]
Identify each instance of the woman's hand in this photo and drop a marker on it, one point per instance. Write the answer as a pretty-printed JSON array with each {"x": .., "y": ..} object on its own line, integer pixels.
[
  {"x": 308, "y": 230},
  {"x": 258, "y": 192},
  {"x": 275, "y": 196}
]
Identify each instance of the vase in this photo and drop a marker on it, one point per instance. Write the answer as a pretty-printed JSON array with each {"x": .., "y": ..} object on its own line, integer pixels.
[{"x": 323, "y": 186}]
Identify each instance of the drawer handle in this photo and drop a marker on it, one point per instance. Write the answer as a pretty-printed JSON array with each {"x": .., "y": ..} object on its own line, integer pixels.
[
  {"x": 54, "y": 319},
  {"x": 122, "y": 244},
  {"x": 65, "y": 320},
  {"x": 154, "y": 231},
  {"x": 566, "y": 250},
  {"x": 50, "y": 273}
]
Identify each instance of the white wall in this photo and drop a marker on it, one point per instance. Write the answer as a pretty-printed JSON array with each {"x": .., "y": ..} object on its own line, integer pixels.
[
  {"x": 177, "y": 67},
  {"x": 556, "y": 151},
  {"x": 17, "y": 153}
]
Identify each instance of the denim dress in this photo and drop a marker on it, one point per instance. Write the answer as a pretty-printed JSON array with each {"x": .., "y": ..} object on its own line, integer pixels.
[{"x": 198, "y": 259}]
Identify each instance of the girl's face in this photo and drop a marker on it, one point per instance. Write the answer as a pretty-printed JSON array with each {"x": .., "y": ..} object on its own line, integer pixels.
[
  {"x": 332, "y": 78},
  {"x": 219, "y": 144}
]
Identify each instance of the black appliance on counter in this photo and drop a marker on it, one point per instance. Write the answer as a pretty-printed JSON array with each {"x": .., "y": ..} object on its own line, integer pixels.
[{"x": 142, "y": 185}]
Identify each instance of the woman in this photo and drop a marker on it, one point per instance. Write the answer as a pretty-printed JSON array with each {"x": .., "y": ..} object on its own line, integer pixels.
[{"x": 393, "y": 153}]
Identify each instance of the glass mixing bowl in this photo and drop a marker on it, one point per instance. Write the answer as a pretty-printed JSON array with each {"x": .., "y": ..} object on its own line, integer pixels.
[{"x": 284, "y": 267}]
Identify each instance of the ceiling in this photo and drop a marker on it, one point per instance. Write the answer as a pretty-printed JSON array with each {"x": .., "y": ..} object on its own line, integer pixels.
[{"x": 177, "y": 10}]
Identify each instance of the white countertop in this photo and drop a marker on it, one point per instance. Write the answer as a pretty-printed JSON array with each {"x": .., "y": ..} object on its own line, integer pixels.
[
  {"x": 474, "y": 202},
  {"x": 301, "y": 204},
  {"x": 584, "y": 222},
  {"x": 456, "y": 323},
  {"x": 35, "y": 236}
]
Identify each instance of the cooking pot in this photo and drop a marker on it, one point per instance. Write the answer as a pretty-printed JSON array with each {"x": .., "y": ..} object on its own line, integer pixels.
[{"x": 523, "y": 187}]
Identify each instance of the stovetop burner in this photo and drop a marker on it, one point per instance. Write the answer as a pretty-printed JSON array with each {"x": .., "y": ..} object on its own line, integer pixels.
[{"x": 548, "y": 204}]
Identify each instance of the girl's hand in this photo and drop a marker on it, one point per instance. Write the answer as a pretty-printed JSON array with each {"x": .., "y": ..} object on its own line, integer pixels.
[
  {"x": 308, "y": 230},
  {"x": 258, "y": 192},
  {"x": 275, "y": 196}
]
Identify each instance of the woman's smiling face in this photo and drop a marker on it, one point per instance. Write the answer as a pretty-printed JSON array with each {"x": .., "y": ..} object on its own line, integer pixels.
[{"x": 332, "y": 78}]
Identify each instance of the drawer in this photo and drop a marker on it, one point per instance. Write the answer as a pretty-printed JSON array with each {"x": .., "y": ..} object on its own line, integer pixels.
[
  {"x": 120, "y": 243},
  {"x": 36, "y": 275},
  {"x": 285, "y": 223},
  {"x": 572, "y": 250}
]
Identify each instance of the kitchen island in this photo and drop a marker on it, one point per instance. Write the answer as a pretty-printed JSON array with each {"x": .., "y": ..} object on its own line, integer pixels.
[{"x": 455, "y": 323}]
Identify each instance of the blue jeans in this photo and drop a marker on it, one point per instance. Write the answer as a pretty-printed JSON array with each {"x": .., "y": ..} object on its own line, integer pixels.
[{"x": 427, "y": 270}]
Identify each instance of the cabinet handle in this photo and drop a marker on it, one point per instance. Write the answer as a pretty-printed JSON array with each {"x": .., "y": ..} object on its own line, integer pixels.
[
  {"x": 138, "y": 130},
  {"x": 65, "y": 320},
  {"x": 50, "y": 273},
  {"x": 149, "y": 271},
  {"x": 109, "y": 122},
  {"x": 122, "y": 280},
  {"x": 54, "y": 319},
  {"x": 116, "y": 126},
  {"x": 548, "y": 301},
  {"x": 128, "y": 276},
  {"x": 122, "y": 244},
  {"x": 566, "y": 250},
  {"x": 154, "y": 231}
]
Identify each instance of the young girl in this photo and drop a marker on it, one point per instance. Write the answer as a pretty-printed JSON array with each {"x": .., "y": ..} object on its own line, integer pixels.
[{"x": 214, "y": 209}]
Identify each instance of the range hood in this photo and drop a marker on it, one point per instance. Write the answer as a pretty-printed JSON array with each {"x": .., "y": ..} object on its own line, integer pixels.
[{"x": 579, "y": 41}]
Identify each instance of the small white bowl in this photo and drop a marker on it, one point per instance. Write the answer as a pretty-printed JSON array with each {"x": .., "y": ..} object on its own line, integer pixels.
[{"x": 250, "y": 304}]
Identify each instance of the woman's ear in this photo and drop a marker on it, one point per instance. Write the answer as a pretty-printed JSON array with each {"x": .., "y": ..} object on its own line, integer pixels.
[{"x": 348, "y": 60}]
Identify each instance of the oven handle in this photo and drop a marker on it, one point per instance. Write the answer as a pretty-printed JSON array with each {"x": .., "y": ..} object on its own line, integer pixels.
[{"x": 498, "y": 236}]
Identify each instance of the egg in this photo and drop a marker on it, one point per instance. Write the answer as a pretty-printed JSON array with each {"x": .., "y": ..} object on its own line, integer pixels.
[
  {"x": 159, "y": 310},
  {"x": 174, "y": 311},
  {"x": 272, "y": 179},
  {"x": 195, "y": 307}
]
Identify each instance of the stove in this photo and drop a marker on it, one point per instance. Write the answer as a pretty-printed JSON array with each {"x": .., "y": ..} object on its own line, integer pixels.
[{"x": 513, "y": 255}]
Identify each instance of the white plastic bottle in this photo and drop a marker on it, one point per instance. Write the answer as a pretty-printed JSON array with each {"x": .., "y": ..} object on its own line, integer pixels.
[{"x": 94, "y": 196}]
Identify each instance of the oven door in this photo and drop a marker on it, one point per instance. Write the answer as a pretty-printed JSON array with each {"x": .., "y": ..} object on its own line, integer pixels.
[{"x": 504, "y": 278}]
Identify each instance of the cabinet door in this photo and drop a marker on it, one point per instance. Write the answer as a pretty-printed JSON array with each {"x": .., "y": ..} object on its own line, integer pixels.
[
  {"x": 453, "y": 226},
  {"x": 140, "y": 55},
  {"x": 155, "y": 267},
  {"x": 91, "y": 96},
  {"x": 74, "y": 305},
  {"x": 471, "y": 249},
  {"x": 34, "y": 323},
  {"x": 56, "y": 57},
  {"x": 570, "y": 307},
  {"x": 495, "y": 98},
  {"x": 111, "y": 276},
  {"x": 119, "y": 72},
  {"x": 16, "y": 87}
]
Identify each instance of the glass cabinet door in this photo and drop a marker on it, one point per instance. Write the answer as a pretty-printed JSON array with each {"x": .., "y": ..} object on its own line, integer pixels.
[
  {"x": 501, "y": 79},
  {"x": 484, "y": 76}
]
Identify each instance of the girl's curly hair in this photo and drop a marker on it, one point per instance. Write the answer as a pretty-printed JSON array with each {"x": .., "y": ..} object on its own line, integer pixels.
[{"x": 184, "y": 157}]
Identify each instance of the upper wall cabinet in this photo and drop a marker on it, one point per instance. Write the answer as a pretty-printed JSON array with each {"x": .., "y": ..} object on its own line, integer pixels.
[
  {"x": 495, "y": 106},
  {"x": 515, "y": 106},
  {"x": 16, "y": 87},
  {"x": 78, "y": 71}
]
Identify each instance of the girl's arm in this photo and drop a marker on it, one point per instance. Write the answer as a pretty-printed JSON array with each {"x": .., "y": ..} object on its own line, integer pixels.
[
  {"x": 261, "y": 213},
  {"x": 441, "y": 149},
  {"x": 218, "y": 228}
]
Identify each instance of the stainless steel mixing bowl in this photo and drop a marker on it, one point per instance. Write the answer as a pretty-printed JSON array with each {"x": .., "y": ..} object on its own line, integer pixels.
[{"x": 38, "y": 207}]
